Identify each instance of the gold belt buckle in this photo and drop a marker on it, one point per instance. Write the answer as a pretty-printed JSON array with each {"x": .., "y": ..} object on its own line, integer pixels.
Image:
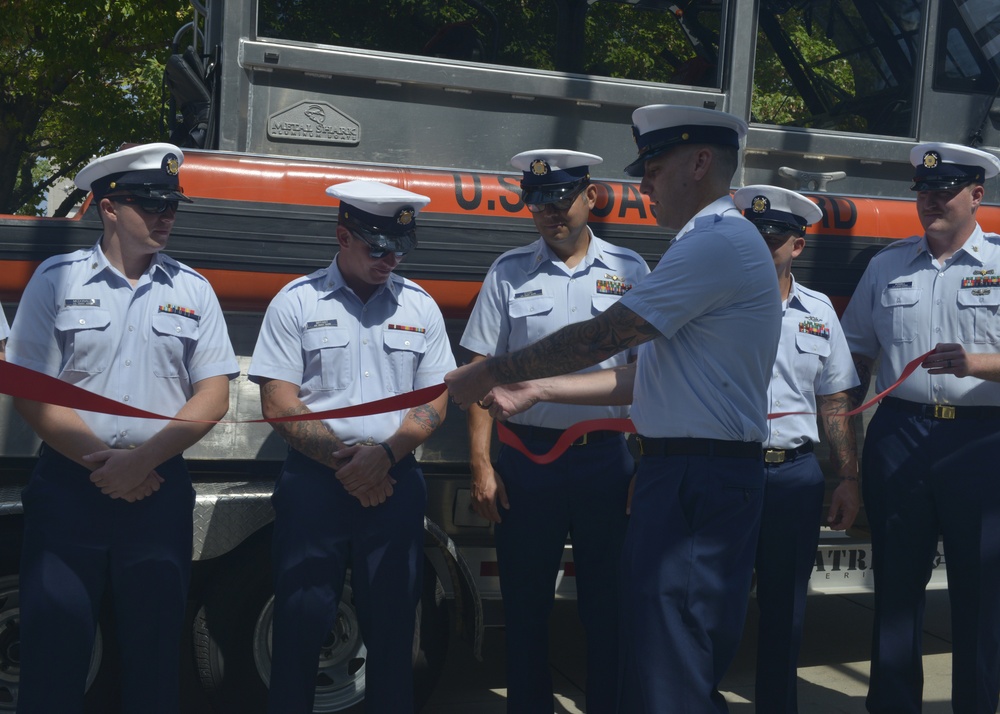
[
  {"x": 944, "y": 411},
  {"x": 582, "y": 441},
  {"x": 774, "y": 456}
]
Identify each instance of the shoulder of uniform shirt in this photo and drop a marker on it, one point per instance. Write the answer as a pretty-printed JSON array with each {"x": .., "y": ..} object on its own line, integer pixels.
[
  {"x": 518, "y": 252},
  {"x": 814, "y": 294},
  {"x": 57, "y": 261},
  {"x": 178, "y": 267},
  {"x": 620, "y": 251},
  {"x": 407, "y": 284},
  {"x": 897, "y": 244},
  {"x": 303, "y": 280}
]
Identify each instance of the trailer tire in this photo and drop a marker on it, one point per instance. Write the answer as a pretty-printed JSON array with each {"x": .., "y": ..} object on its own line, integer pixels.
[
  {"x": 232, "y": 642},
  {"x": 99, "y": 678}
]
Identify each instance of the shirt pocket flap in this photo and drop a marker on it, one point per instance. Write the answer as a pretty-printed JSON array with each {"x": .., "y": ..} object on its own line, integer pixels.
[
  {"x": 968, "y": 298},
  {"x": 603, "y": 302},
  {"x": 318, "y": 338},
  {"x": 900, "y": 297},
  {"x": 166, "y": 323},
  {"x": 82, "y": 319},
  {"x": 410, "y": 341},
  {"x": 537, "y": 305},
  {"x": 812, "y": 344}
]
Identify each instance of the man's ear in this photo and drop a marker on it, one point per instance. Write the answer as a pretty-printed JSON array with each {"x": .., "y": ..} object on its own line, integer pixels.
[
  {"x": 798, "y": 246},
  {"x": 343, "y": 236}
]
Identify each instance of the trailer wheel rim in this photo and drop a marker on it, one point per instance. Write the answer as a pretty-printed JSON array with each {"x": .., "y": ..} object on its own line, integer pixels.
[{"x": 340, "y": 682}]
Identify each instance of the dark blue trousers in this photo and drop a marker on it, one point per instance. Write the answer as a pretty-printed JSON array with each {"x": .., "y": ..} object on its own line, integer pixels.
[
  {"x": 582, "y": 494},
  {"x": 786, "y": 555},
  {"x": 319, "y": 531},
  {"x": 687, "y": 566},
  {"x": 926, "y": 479},
  {"x": 76, "y": 542}
]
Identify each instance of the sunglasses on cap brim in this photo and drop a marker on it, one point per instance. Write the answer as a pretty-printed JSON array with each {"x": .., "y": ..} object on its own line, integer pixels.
[
  {"x": 381, "y": 245},
  {"x": 776, "y": 229},
  {"x": 148, "y": 204},
  {"x": 560, "y": 204}
]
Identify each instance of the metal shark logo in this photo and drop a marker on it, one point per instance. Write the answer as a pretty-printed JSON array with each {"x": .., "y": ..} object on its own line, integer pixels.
[{"x": 315, "y": 123}]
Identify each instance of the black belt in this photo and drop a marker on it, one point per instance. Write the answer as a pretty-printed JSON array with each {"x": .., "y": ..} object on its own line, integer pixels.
[
  {"x": 781, "y": 456},
  {"x": 542, "y": 433},
  {"x": 698, "y": 447},
  {"x": 941, "y": 411}
]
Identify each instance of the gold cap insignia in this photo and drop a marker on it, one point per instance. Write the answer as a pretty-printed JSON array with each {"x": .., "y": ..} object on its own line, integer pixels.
[
  {"x": 172, "y": 165},
  {"x": 931, "y": 160},
  {"x": 405, "y": 216},
  {"x": 540, "y": 167},
  {"x": 760, "y": 204}
]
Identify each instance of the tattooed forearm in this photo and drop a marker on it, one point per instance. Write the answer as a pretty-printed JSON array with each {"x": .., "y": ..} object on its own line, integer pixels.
[
  {"x": 313, "y": 438},
  {"x": 574, "y": 347},
  {"x": 426, "y": 417},
  {"x": 839, "y": 432}
]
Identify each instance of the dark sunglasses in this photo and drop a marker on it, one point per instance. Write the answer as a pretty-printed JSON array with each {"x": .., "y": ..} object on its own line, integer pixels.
[
  {"x": 148, "y": 204},
  {"x": 380, "y": 246},
  {"x": 777, "y": 230},
  {"x": 562, "y": 204}
]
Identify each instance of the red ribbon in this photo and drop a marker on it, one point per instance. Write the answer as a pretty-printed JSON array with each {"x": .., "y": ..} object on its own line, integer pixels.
[
  {"x": 509, "y": 438},
  {"x": 24, "y": 383}
]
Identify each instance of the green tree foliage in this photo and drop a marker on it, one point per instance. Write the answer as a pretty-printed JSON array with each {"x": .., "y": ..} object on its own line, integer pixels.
[
  {"x": 77, "y": 78},
  {"x": 80, "y": 77}
]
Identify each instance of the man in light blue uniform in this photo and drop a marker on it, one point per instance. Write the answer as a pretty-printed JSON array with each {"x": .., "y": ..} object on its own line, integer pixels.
[
  {"x": 930, "y": 454},
  {"x": 110, "y": 500},
  {"x": 813, "y": 368},
  {"x": 708, "y": 318},
  {"x": 565, "y": 276},
  {"x": 351, "y": 494}
]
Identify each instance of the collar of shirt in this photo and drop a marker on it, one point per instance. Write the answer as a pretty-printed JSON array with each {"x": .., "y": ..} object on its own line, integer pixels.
[
  {"x": 714, "y": 211},
  {"x": 335, "y": 281},
  {"x": 157, "y": 270},
  {"x": 973, "y": 247},
  {"x": 543, "y": 254},
  {"x": 795, "y": 296}
]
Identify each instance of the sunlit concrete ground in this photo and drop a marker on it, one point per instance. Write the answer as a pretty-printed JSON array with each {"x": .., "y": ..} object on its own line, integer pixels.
[{"x": 833, "y": 671}]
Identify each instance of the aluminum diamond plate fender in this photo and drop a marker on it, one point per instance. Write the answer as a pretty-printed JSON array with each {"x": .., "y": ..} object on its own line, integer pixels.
[{"x": 226, "y": 514}]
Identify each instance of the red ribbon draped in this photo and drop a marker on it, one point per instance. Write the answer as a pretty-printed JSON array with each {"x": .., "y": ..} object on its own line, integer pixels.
[{"x": 24, "y": 383}]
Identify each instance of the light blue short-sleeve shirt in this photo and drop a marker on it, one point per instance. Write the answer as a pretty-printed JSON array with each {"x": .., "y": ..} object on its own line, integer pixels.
[
  {"x": 813, "y": 359},
  {"x": 907, "y": 302},
  {"x": 714, "y": 299},
  {"x": 530, "y": 293},
  {"x": 80, "y": 320},
  {"x": 341, "y": 352}
]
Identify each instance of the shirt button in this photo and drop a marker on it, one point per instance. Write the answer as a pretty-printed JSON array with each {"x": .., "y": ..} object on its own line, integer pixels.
[
  {"x": 572, "y": 309},
  {"x": 364, "y": 341},
  {"x": 130, "y": 328},
  {"x": 177, "y": 329},
  {"x": 128, "y": 363},
  {"x": 939, "y": 301},
  {"x": 125, "y": 398},
  {"x": 407, "y": 343},
  {"x": 326, "y": 339},
  {"x": 83, "y": 322},
  {"x": 124, "y": 433},
  {"x": 367, "y": 374},
  {"x": 937, "y": 329}
]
